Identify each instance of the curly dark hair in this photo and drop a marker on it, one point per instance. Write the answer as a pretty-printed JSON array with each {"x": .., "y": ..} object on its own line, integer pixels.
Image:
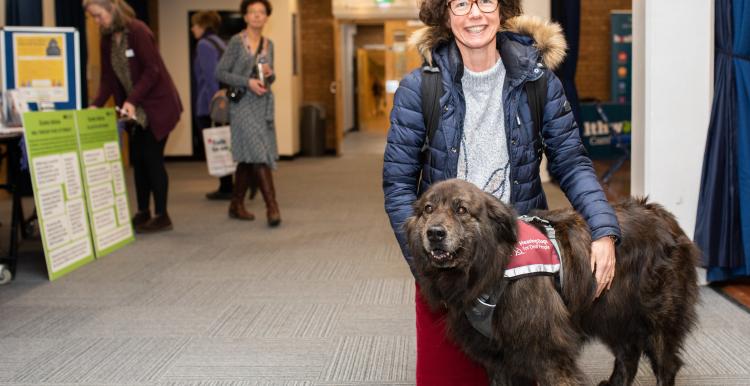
[
  {"x": 435, "y": 13},
  {"x": 247, "y": 3}
]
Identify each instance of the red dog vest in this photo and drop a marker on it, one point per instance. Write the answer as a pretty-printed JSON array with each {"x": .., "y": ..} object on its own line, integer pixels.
[{"x": 534, "y": 254}]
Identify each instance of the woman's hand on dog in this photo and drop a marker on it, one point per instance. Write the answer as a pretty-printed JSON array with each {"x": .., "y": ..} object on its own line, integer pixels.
[{"x": 603, "y": 263}]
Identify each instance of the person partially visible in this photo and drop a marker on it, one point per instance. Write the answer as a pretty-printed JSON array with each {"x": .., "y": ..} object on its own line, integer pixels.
[
  {"x": 486, "y": 51},
  {"x": 132, "y": 70},
  {"x": 247, "y": 65},
  {"x": 208, "y": 51}
]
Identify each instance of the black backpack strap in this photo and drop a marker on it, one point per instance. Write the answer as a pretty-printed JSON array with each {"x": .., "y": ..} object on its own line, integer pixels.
[
  {"x": 432, "y": 90},
  {"x": 536, "y": 92}
]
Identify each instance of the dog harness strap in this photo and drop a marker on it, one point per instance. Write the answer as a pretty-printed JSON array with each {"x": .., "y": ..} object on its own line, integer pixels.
[{"x": 480, "y": 316}]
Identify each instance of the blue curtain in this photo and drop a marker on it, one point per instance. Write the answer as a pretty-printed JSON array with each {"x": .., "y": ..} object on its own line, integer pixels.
[
  {"x": 741, "y": 61},
  {"x": 23, "y": 12},
  {"x": 568, "y": 14},
  {"x": 718, "y": 224}
]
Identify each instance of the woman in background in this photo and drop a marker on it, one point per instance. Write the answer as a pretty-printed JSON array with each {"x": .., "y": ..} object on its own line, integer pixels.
[
  {"x": 134, "y": 72},
  {"x": 248, "y": 65},
  {"x": 208, "y": 51}
]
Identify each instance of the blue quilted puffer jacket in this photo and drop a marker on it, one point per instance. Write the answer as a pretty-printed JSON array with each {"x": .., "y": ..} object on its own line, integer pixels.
[{"x": 528, "y": 47}]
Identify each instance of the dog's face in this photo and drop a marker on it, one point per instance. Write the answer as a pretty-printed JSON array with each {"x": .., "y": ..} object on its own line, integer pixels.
[{"x": 453, "y": 221}]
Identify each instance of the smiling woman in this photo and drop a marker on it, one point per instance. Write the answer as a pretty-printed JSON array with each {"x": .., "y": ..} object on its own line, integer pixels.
[{"x": 486, "y": 52}]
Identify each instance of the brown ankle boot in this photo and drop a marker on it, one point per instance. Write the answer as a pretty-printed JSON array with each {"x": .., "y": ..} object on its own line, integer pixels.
[
  {"x": 269, "y": 195},
  {"x": 237, "y": 206},
  {"x": 159, "y": 223}
]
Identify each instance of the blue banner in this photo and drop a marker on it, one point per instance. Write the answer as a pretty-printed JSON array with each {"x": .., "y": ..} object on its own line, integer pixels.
[
  {"x": 605, "y": 133},
  {"x": 621, "y": 55}
]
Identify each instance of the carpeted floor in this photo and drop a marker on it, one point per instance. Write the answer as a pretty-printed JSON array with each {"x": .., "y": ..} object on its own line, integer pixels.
[{"x": 323, "y": 300}]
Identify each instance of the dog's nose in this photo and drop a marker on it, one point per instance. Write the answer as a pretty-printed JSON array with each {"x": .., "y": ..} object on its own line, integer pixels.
[{"x": 436, "y": 233}]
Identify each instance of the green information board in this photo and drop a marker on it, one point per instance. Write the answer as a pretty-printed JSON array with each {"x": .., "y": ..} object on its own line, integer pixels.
[
  {"x": 104, "y": 180},
  {"x": 52, "y": 147}
]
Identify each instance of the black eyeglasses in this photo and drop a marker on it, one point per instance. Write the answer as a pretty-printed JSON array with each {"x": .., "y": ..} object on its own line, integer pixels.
[{"x": 463, "y": 7}]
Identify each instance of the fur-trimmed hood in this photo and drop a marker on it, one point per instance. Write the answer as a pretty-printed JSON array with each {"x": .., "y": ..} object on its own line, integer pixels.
[{"x": 548, "y": 38}]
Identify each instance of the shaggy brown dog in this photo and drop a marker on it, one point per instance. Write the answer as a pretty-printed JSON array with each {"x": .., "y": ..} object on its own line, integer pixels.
[{"x": 462, "y": 238}]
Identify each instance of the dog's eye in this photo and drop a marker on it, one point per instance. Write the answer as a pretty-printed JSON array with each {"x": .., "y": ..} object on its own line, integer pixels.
[
  {"x": 428, "y": 208},
  {"x": 461, "y": 210}
]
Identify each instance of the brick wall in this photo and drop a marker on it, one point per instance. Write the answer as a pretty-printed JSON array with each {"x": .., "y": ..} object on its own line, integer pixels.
[
  {"x": 318, "y": 61},
  {"x": 593, "y": 72}
]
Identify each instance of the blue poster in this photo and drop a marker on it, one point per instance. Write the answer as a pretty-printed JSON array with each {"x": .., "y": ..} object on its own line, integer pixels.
[
  {"x": 606, "y": 132},
  {"x": 621, "y": 55},
  {"x": 42, "y": 65}
]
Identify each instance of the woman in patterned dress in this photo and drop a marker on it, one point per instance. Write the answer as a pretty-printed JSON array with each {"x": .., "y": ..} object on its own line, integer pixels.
[{"x": 247, "y": 63}]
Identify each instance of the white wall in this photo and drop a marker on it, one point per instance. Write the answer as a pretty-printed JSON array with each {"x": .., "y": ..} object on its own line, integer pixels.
[
  {"x": 539, "y": 8},
  {"x": 672, "y": 94},
  {"x": 173, "y": 43},
  {"x": 48, "y": 13}
]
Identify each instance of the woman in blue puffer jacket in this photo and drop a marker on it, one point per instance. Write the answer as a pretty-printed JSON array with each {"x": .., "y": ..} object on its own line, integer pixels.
[{"x": 486, "y": 52}]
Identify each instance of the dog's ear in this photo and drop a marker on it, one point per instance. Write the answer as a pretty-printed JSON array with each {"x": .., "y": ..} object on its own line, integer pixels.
[
  {"x": 503, "y": 220},
  {"x": 411, "y": 231}
]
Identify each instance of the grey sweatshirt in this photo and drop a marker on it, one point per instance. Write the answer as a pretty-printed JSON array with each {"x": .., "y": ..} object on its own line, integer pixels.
[{"x": 483, "y": 158}]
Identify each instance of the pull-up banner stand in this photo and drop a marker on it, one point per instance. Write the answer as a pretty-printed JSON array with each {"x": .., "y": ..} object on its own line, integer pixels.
[
  {"x": 42, "y": 64},
  {"x": 52, "y": 146},
  {"x": 104, "y": 180},
  {"x": 79, "y": 186}
]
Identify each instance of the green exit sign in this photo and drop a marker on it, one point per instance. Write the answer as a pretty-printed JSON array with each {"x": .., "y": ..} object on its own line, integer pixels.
[{"x": 383, "y": 3}]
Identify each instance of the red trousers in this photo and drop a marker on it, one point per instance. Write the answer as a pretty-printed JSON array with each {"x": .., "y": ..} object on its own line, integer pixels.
[{"x": 439, "y": 361}]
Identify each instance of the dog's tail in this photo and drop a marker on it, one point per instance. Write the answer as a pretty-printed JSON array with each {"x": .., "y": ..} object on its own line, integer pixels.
[{"x": 669, "y": 219}]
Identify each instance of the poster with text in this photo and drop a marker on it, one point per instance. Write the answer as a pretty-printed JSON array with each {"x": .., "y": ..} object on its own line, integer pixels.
[
  {"x": 104, "y": 180},
  {"x": 52, "y": 148},
  {"x": 41, "y": 66}
]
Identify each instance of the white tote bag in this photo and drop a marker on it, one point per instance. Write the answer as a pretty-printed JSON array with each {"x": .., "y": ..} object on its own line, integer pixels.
[{"x": 218, "y": 144}]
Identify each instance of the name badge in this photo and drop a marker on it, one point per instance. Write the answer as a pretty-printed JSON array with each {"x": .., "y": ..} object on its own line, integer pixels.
[{"x": 129, "y": 53}]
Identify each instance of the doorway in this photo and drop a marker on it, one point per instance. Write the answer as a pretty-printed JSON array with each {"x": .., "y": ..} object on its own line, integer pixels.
[
  {"x": 369, "y": 77},
  {"x": 373, "y": 58}
]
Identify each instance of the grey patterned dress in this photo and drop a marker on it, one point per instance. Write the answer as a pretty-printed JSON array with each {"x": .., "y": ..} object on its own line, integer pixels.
[{"x": 251, "y": 118}]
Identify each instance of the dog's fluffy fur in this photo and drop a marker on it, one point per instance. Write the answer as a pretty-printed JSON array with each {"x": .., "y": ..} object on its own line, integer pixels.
[{"x": 461, "y": 239}]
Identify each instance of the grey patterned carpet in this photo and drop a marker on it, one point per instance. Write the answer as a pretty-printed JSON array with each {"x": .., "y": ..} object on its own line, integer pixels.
[{"x": 324, "y": 300}]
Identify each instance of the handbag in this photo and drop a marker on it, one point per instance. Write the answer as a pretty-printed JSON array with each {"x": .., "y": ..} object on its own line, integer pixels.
[
  {"x": 218, "y": 109},
  {"x": 232, "y": 93},
  {"x": 235, "y": 93}
]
